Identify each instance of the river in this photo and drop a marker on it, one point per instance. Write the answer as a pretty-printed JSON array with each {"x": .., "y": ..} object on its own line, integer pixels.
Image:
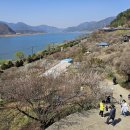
[{"x": 31, "y": 43}]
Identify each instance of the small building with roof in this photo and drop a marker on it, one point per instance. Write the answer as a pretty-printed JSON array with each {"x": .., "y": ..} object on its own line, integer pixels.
[{"x": 103, "y": 44}]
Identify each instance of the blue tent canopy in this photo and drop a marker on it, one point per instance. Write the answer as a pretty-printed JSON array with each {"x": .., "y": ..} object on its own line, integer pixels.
[{"x": 69, "y": 60}]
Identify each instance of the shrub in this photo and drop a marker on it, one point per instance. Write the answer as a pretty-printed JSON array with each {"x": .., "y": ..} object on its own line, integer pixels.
[
  {"x": 38, "y": 57},
  {"x": 1, "y": 71},
  {"x": 125, "y": 64},
  {"x": 96, "y": 62},
  {"x": 65, "y": 46},
  {"x": 29, "y": 59},
  {"x": 110, "y": 75},
  {"x": 71, "y": 44},
  {"x": 35, "y": 57},
  {"x": 45, "y": 52},
  {"x": 10, "y": 64},
  {"x": 4, "y": 66},
  {"x": 19, "y": 63}
]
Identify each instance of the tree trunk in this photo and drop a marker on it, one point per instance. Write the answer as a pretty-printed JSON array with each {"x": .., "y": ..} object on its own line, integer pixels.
[
  {"x": 42, "y": 127},
  {"x": 128, "y": 77}
]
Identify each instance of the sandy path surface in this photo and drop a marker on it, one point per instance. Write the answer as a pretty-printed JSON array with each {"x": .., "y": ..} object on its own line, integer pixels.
[{"x": 90, "y": 120}]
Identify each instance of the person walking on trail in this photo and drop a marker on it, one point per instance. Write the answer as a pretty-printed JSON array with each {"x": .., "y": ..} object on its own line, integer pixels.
[
  {"x": 102, "y": 107},
  {"x": 114, "y": 80},
  {"x": 124, "y": 108},
  {"x": 108, "y": 99},
  {"x": 121, "y": 100},
  {"x": 112, "y": 115}
]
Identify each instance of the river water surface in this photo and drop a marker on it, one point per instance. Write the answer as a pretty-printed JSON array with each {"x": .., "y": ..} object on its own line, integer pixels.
[{"x": 10, "y": 45}]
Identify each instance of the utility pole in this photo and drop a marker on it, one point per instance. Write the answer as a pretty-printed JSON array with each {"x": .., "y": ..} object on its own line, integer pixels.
[{"x": 32, "y": 50}]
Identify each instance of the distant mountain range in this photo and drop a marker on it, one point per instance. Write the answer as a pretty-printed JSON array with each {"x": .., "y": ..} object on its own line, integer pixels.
[
  {"x": 5, "y": 29},
  {"x": 24, "y": 28},
  {"x": 87, "y": 26},
  {"x": 90, "y": 26}
]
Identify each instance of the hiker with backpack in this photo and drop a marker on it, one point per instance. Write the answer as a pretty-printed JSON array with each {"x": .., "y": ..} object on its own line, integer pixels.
[{"x": 112, "y": 115}]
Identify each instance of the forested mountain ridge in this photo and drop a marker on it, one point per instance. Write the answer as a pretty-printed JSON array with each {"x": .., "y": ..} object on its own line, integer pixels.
[{"x": 122, "y": 19}]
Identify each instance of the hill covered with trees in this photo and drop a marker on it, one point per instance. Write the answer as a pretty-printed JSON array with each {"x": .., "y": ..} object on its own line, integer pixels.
[{"x": 123, "y": 19}]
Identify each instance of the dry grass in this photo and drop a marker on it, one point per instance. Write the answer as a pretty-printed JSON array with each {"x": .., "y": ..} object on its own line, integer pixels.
[{"x": 83, "y": 81}]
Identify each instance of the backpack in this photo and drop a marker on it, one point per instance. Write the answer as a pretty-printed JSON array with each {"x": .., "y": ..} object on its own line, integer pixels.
[
  {"x": 106, "y": 108},
  {"x": 129, "y": 96}
]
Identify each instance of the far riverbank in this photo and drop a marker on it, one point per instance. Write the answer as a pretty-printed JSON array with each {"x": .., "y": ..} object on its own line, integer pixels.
[{"x": 15, "y": 35}]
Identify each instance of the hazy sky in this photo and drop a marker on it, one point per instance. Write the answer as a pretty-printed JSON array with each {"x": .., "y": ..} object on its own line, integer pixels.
[{"x": 59, "y": 13}]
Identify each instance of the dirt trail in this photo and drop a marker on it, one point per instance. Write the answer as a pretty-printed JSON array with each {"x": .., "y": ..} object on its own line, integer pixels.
[{"x": 90, "y": 120}]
